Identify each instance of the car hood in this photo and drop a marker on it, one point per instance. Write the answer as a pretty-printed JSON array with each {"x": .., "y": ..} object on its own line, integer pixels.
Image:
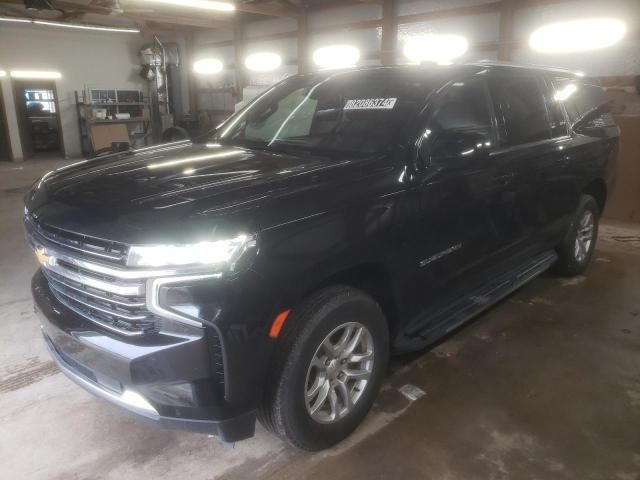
[{"x": 175, "y": 192}]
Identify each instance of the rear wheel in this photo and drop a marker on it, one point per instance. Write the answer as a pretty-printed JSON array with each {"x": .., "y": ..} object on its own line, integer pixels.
[
  {"x": 576, "y": 250},
  {"x": 330, "y": 364}
]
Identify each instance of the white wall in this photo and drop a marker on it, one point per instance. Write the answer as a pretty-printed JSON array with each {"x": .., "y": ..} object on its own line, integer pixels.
[{"x": 82, "y": 57}]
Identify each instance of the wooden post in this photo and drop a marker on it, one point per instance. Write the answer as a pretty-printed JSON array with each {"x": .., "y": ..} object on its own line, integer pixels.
[
  {"x": 238, "y": 42},
  {"x": 505, "y": 33},
  {"x": 303, "y": 41},
  {"x": 389, "y": 40},
  {"x": 191, "y": 83}
]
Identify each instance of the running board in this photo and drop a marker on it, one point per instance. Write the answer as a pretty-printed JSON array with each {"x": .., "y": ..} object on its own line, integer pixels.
[{"x": 436, "y": 323}]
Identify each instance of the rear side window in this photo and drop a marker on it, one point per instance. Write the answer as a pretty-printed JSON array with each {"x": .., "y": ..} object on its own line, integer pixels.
[
  {"x": 520, "y": 106},
  {"x": 582, "y": 100}
]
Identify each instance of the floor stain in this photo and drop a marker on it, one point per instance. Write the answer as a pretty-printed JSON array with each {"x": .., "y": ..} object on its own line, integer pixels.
[{"x": 34, "y": 370}]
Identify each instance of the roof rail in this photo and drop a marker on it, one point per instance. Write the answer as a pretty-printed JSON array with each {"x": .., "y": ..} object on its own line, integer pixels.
[{"x": 497, "y": 63}]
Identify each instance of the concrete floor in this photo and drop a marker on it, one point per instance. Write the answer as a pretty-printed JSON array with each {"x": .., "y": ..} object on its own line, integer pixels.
[{"x": 545, "y": 385}]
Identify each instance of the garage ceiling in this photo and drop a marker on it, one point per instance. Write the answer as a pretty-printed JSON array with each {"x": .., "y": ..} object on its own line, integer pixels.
[{"x": 156, "y": 16}]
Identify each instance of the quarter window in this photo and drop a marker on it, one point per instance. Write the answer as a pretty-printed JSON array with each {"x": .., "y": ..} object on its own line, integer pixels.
[
  {"x": 582, "y": 100},
  {"x": 520, "y": 105}
]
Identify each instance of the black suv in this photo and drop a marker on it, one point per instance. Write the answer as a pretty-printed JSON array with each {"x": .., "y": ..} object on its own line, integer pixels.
[{"x": 270, "y": 270}]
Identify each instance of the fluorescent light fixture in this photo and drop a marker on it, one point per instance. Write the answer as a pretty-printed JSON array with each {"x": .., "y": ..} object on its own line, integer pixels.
[
  {"x": 208, "y": 66},
  {"x": 577, "y": 35},
  {"x": 202, "y": 253},
  {"x": 432, "y": 47},
  {"x": 77, "y": 26},
  {"x": 3, "y": 73},
  {"x": 263, "y": 61},
  {"x": 201, "y": 4},
  {"x": 86, "y": 27},
  {"x": 15, "y": 20},
  {"x": 35, "y": 74},
  {"x": 336, "y": 56}
]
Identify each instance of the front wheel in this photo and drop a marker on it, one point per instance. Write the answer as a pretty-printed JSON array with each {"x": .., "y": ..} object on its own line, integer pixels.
[
  {"x": 330, "y": 364},
  {"x": 577, "y": 248}
]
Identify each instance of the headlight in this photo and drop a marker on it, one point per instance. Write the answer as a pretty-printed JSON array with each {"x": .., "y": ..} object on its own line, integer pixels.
[{"x": 220, "y": 252}]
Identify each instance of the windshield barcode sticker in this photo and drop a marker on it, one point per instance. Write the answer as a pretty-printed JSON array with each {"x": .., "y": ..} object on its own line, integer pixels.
[{"x": 371, "y": 104}]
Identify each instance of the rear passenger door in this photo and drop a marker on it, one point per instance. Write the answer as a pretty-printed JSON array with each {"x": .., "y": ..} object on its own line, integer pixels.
[{"x": 533, "y": 140}]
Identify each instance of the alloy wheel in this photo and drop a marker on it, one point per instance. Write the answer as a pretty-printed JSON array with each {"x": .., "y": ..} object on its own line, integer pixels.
[
  {"x": 339, "y": 372},
  {"x": 584, "y": 236}
]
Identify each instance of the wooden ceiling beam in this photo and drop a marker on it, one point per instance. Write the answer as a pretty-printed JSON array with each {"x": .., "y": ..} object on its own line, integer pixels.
[
  {"x": 69, "y": 6},
  {"x": 197, "y": 22},
  {"x": 267, "y": 10}
]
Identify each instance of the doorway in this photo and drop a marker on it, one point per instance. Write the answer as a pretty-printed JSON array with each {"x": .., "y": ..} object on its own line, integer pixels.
[{"x": 38, "y": 115}]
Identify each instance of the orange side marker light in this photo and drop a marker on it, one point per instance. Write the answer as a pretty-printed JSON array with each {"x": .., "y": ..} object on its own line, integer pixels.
[{"x": 278, "y": 324}]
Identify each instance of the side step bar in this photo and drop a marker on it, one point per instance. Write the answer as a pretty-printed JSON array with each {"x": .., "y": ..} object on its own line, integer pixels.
[{"x": 436, "y": 323}]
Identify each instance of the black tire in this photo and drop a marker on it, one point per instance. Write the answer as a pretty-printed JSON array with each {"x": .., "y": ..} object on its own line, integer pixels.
[
  {"x": 284, "y": 410},
  {"x": 569, "y": 264}
]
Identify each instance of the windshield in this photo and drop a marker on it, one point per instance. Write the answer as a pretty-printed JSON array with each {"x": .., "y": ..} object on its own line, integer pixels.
[{"x": 359, "y": 112}]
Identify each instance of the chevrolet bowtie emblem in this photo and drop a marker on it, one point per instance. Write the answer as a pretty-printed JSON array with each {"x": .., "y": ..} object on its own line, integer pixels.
[{"x": 43, "y": 257}]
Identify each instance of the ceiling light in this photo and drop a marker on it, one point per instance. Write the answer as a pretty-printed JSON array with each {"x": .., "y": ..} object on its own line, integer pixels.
[
  {"x": 577, "y": 35},
  {"x": 263, "y": 62},
  {"x": 202, "y": 4},
  {"x": 336, "y": 56},
  {"x": 70, "y": 25},
  {"x": 35, "y": 74},
  {"x": 3, "y": 73},
  {"x": 208, "y": 66},
  {"x": 439, "y": 48},
  {"x": 15, "y": 20},
  {"x": 86, "y": 27}
]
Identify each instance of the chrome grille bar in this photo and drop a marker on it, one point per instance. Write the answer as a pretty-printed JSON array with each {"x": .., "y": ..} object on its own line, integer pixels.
[
  {"x": 94, "y": 306},
  {"x": 125, "y": 289},
  {"x": 104, "y": 298}
]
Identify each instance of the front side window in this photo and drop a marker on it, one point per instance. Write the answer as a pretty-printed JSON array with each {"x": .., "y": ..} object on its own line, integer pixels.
[
  {"x": 520, "y": 105},
  {"x": 461, "y": 124},
  {"x": 348, "y": 112}
]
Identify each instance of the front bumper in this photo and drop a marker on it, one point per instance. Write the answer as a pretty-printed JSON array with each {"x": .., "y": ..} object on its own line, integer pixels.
[{"x": 164, "y": 379}]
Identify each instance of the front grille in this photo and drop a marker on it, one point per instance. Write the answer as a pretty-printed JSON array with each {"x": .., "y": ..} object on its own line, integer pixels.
[
  {"x": 126, "y": 314},
  {"x": 77, "y": 244},
  {"x": 107, "y": 295}
]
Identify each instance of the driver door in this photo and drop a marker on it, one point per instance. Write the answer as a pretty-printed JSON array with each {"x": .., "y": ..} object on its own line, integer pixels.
[{"x": 465, "y": 194}]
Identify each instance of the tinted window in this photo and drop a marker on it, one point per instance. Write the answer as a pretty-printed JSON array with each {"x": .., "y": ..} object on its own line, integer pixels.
[
  {"x": 356, "y": 112},
  {"x": 581, "y": 100},
  {"x": 461, "y": 123},
  {"x": 520, "y": 105},
  {"x": 463, "y": 107}
]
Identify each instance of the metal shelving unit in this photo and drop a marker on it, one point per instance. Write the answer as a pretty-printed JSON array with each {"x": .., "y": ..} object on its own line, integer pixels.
[{"x": 92, "y": 104}]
